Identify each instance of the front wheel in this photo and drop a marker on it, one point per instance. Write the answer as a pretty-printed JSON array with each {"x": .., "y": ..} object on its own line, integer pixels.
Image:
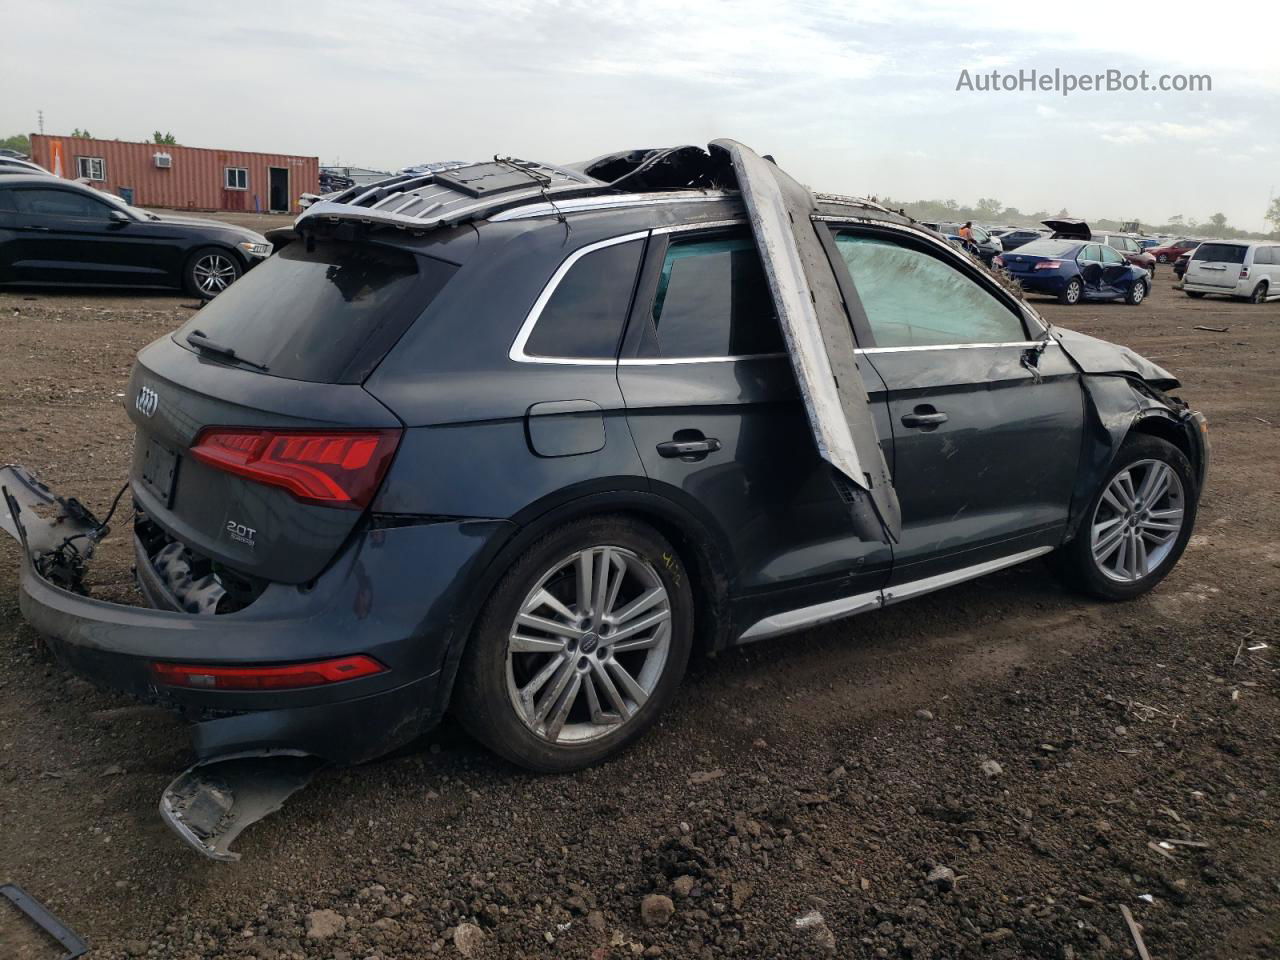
[
  {"x": 210, "y": 271},
  {"x": 1072, "y": 292},
  {"x": 1193, "y": 294},
  {"x": 1163, "y": 258},
  {"x": 580, "y": 648},
  {"x": 1137, "y": 293},
  {"x": 1137, "y": 524}
]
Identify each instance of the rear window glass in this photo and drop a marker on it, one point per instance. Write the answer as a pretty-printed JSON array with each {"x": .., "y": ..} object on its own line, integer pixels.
[
  {"x": 713, "y": 300},
  {"x": 327, "y": 314},
  {"x": 1220, "y": 253},
  {"x": 1048, "y": 248},
  {"x": 584, "y": 317}
]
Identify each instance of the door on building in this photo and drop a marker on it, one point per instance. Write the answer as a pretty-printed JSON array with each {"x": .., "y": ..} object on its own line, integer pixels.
[{"x": 278, "y": 198}]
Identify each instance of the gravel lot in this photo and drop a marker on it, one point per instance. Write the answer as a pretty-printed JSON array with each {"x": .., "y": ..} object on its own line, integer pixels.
[{"x": 800, "y": 799}]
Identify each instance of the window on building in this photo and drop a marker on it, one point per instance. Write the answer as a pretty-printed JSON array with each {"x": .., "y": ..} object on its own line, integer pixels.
[
  {"x": 91, "y": 168},
  {"x": 237, "y": 178}
]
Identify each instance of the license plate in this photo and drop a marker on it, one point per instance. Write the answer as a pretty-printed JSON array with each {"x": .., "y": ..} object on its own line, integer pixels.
[{"x": 159, "y": 468}]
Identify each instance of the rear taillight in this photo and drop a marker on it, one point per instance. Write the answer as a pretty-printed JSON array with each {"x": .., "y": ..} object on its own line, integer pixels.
[
  {"x": 997, "y": 261},
  {"x": 1048, "y": 265},
  {"x": 336, "y": 468},
  {"x": 1244, "y": 273},
  {"x": 284, "y": 677}
]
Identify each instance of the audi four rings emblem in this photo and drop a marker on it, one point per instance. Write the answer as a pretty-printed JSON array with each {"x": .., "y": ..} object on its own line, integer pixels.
[{"x": 147, "y": 401}]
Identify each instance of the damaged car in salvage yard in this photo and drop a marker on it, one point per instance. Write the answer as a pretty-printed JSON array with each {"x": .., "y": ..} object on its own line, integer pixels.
[{"x": 512, "y": 439}]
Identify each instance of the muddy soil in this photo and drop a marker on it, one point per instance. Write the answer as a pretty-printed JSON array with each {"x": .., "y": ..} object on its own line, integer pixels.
[{"x": 1058, "y": 756}]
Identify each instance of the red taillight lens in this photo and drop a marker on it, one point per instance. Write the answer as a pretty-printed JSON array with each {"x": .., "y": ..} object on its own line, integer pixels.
[
  {"x": 336, "y": 468},
  {"x": 287, "y": 677},
  {"x": 1244, "y": 273},
  {"x": 1048, "y": 265},
  {"x": 997, "y": 261}
]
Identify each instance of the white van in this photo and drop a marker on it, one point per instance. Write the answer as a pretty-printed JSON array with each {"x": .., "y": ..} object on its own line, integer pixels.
[{"x": 1234, "y": 269}]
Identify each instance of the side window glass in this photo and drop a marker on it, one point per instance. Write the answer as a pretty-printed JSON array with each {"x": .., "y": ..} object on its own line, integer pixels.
[
  {"x": 586, "y": 312},
  {"x": 6, "y": 201},
  {"x": 913, "y": 299},
  {"x": 60, "y": 203},
  {"x": 1091, "y": 253},
  {"x": 1110, "y": 256},
  {"x": 713, "y": 300},
  {"x": 1260, "y": 255}
]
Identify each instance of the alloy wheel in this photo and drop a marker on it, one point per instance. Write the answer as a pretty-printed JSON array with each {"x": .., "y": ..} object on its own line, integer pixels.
[
  {"x": 1259, "y": 293},
  {"x": 214, "y": 273},
  {"x": 589, "y": 645},
  {"x": 1139, "y": 293},
  {"x": 1137, "y": 521},
  {"x": 1073, "y": 291}
]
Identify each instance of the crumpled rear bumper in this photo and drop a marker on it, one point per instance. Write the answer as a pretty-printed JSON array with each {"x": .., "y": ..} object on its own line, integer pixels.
[{"x": 390, "y": 594}]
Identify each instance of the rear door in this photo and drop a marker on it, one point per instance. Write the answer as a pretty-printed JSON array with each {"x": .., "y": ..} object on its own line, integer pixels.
[
  {"x": 987, "y": 432},
  {"x": 1217, "y": 265},
  {"x": 820, "y": 343},
  {"x": 718, "y": 419}
]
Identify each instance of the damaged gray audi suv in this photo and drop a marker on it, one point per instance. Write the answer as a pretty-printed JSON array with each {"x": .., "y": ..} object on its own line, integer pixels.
[{"x": 512, "y": 439}]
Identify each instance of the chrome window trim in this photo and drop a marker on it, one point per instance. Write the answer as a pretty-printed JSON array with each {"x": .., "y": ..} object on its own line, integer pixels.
[
  {"x": 667, "y": 361},
  {"x": 517, "y": 351},
  {"x": 804, "y": 617},
  {"x": 706, "y": 225},
  {"x": 1023, "y": 344}
]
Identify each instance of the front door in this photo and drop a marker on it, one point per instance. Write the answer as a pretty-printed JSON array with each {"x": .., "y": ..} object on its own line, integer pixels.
[
  {"x": 987, "y": 431},
  {"x": 64, "y": 235},
  {"x": 1115, "y": 272},
  {"x": 717, "y": 416},
  {"x": 1090, "y": 262},
  {"x": 279, "y": 189}
]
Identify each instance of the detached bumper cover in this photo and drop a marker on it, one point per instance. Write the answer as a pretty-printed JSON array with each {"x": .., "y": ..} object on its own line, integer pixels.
[{"x": 390, "y": 594}]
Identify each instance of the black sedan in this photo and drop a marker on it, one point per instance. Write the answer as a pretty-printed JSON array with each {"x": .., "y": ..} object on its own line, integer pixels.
[{"x": 55, "y": 232}]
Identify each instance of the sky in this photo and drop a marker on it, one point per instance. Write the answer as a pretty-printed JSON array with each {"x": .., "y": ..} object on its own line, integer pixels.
[{"x": 854, "y": 98}]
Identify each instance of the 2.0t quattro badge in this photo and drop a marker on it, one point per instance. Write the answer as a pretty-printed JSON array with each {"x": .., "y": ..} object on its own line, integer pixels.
[{"x": 147, "y": 401}]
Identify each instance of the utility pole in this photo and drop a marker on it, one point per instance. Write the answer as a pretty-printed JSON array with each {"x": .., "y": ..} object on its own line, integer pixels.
[{"x": 40, "y": 120}]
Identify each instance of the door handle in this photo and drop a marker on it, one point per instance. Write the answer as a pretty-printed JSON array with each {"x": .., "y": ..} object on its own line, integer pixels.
[
  {"x": 925, "y": 417},
  {"x": 689, "y": 445}
]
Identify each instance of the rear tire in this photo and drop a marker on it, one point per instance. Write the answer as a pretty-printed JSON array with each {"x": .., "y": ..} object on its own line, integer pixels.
[
  {"x": 1193, "y": 294},
  {"x": 1163, "y": 258},
  {"x": 209, "y": 271},
  {"x": 1124, "y": 545},
  {"x": 1072, "y": 293},
  {"x": 601, "y": 697},
  {"x": 1259, "y": 294}
]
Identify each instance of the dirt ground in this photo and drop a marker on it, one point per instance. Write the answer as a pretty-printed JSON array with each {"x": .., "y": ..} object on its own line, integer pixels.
[{"x": 795, "y": 802}]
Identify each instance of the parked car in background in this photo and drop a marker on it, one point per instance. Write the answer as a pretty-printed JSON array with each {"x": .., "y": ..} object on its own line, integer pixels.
[
  {"x": 1234, "y": 269},
  {"x": 1174, "y": 249},
  {"x": 55, "y": 232},
  {"x": 1075, "y": 271},
  {"x": 9, "y": 165},
  {"x": 1180, "y": 265},
  {"x": 1128, "y": 248},
  {"x": 1147, "y": 243},
  {"x": 519, "y": 456},
  {"x": 1018, "y": 236}
]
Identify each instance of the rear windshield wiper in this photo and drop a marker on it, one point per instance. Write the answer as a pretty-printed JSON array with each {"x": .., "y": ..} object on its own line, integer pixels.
[{"x": 199, "y": 340}]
